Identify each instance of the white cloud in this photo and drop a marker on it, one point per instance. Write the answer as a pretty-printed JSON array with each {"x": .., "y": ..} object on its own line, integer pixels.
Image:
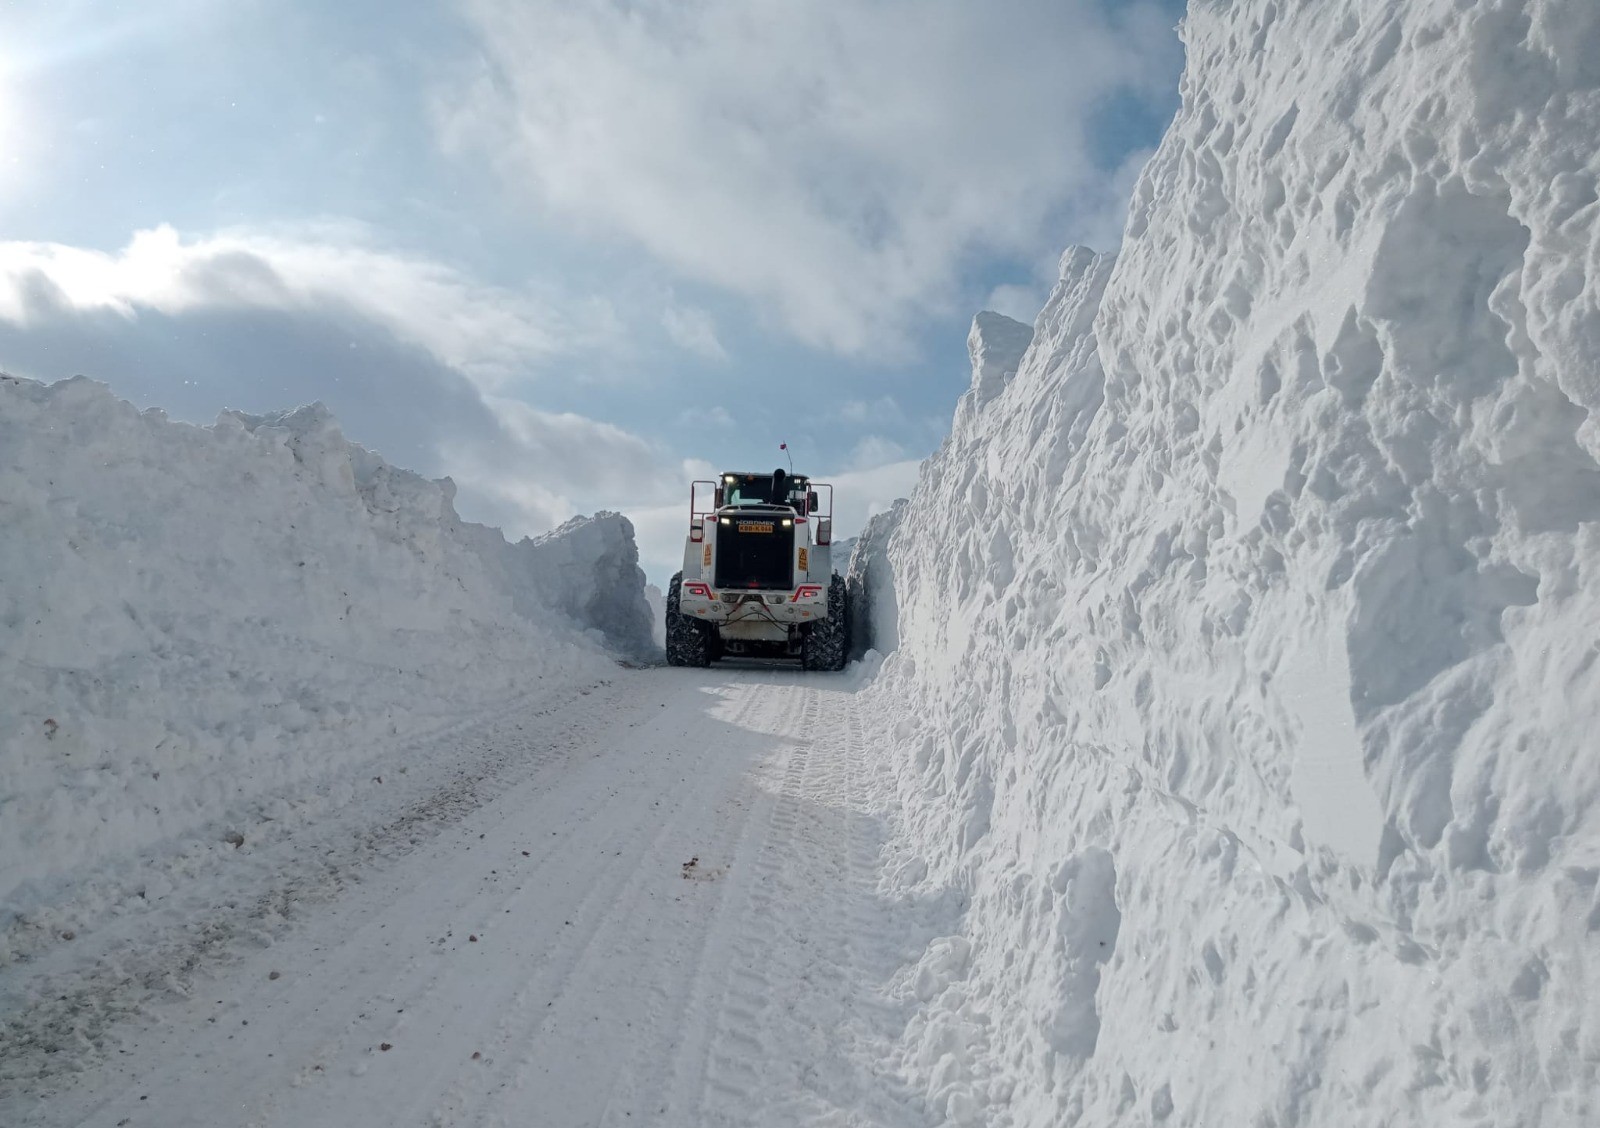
[
  {"x": 875, "y": 450},
  {"x": 547, "y": 466},
  {"x": 1102, "y": 213},
  {"x": 834, "y": 161},
  {"x": 882, "y": 410},
  {"x": 416, "y": 356},
  {"x": 490, "y": 334},
  {"x": 1020, "y": 303},
  {"x": 15, "y": 141},
  {"x": 714, "y": 416},
  {"x": 1105, "y": 211},
  {"x": 693, "y": 330},
  {"x": 861, "y": 494}
]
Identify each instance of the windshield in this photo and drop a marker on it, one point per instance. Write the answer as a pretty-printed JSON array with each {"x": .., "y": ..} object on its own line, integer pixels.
[{"x": 757, "y": 489}]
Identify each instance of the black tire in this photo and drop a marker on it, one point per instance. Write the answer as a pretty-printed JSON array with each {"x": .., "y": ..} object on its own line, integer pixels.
[
  {"x": 827, "y": 644},
  {"x": 688, "y": 643}
]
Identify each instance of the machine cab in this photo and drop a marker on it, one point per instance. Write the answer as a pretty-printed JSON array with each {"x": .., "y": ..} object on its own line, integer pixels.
[{"x": 739, "y": 489}]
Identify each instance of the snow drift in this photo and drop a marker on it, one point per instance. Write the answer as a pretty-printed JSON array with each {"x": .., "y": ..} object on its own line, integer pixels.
[
  {"x": 196, "y": 620},
  {"x": 1252, "y": 688}
]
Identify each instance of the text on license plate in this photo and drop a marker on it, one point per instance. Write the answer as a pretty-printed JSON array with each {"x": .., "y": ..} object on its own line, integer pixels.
[{"x": 755, "y": 526}]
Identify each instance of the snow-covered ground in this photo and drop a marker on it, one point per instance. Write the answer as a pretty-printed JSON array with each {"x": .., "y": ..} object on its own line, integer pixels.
[
  {"x": 1246, "y": 682},
  {"x": 652, "y": 902}
]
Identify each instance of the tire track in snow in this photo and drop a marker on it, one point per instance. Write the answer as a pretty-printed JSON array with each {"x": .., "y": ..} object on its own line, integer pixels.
[
  {"x": 629, "y": 878},
  {"x": 501, "y": 1009},
  {"x": 721, "y": 962},
  {"x": 124, "y": 991},
  {"x": 654, "y": 1087},
  {"x": 59, "y": 1025},
  {"x": 797, "y": 1006},
  {"x": 603, "y": 987},
  {"x": 425, "y": 984}
]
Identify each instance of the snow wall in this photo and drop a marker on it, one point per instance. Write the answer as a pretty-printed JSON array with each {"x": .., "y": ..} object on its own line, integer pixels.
[
  {"x": 869, "y": 579},
  {"x": 195, "y": 620},
  {"x": 1252, "y": 694}
]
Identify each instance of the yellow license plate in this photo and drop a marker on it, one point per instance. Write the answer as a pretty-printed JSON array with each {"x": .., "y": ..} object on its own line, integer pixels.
[{"x": 755, "y": 526}]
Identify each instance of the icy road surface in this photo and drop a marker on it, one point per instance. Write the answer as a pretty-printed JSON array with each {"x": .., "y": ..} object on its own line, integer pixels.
[{"x": 653, "y": 904}]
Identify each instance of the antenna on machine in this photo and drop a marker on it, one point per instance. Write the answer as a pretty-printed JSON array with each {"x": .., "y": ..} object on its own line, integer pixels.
[{"x": 785, "y": 448}]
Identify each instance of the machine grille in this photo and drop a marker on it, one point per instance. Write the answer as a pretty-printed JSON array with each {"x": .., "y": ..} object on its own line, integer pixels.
[{"x": 755, "y": 552}]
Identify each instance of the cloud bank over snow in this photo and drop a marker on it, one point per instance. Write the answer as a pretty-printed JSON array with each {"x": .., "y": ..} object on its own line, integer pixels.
[
  {"x": 835, "y": 163},
  {"x": 553, "y": 461},
  {"x": 489, "y": 333},
  {"x": 411, "y": 349}
]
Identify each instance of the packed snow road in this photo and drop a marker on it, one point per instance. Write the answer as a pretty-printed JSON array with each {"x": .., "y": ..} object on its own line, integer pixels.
[{"x": 654, "y": 904}]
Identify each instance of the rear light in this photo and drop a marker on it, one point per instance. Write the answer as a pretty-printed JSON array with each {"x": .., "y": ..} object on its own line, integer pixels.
[
  {"x": 807, "y": 591},
  {"x": 699, "y": 591}
]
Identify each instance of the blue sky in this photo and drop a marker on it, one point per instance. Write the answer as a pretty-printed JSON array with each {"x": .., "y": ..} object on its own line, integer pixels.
[{"x": 570, "y": 253}]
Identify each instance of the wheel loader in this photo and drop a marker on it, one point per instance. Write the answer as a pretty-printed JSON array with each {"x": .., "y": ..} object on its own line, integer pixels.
[{"x": 758, "y": 578}]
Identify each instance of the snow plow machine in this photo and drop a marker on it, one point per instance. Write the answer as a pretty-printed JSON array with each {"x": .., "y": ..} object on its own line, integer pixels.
[{"x": 758, "y": 578}]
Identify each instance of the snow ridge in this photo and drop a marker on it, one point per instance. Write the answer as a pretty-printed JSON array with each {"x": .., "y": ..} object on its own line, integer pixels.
[
  {"x": 202, "y": 625},
  {"x": 1245, "y": 629}
]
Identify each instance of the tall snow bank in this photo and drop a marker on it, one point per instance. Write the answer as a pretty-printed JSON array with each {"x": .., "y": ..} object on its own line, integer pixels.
[
  {"x": 1247, "y": 630},
  {"x": 588, "y": 569},
  {"x": 996, "y": 345},
  {"x": 869, "y": 579},
  {"x": 656, "y": 600},
  {"x": 195, "y": 619}
]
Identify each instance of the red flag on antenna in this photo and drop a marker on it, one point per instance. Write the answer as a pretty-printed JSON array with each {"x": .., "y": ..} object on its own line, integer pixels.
[{"x": 783, "y": 446}]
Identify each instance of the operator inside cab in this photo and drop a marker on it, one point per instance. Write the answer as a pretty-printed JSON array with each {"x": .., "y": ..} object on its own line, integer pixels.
[
  {"x": 759, "y": 489},
  {"x": 747, "y": 490}
]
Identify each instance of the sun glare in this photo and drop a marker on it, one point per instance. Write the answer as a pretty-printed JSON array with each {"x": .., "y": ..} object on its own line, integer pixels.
[
  {"x": 7, "y": 116},
  {"x": 11, "y": 133}
]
